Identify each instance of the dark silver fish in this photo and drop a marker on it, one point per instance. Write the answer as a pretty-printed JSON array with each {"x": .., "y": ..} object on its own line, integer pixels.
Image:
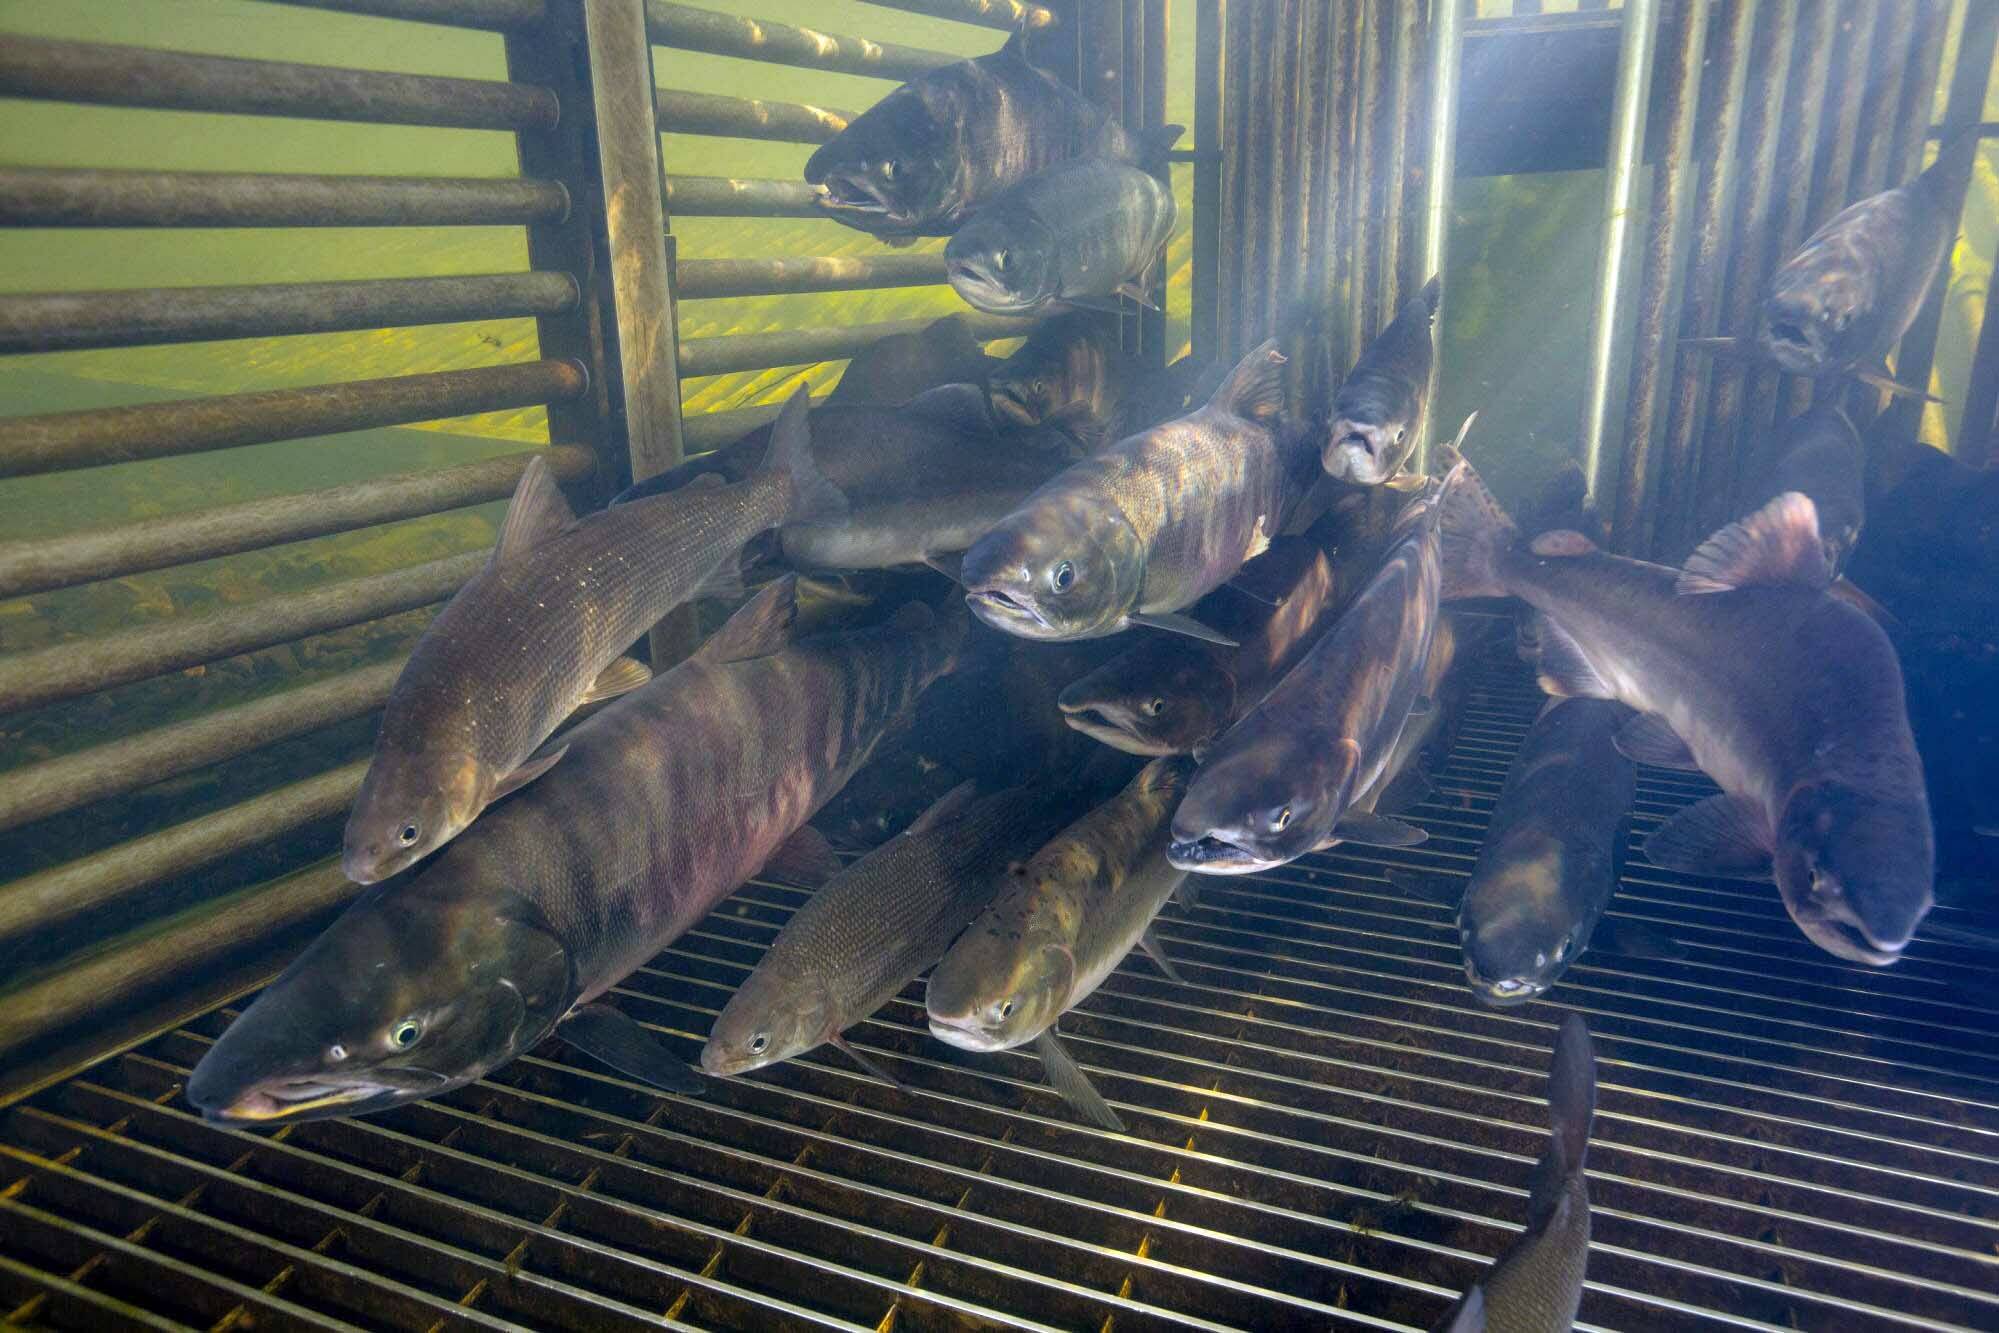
[
  {"x": 529, "y": 639},
  {"x": 1790, "y": 699},
  {"x": 1380, "y": 406},
  {"x": 1070, "y": 372},
  {"x": 868, "y": 931},
  {"x": 1537, "y": 1285},
  {"x": 1082, "y": 233},
  {"x": 1141, "y": 530},
  {"x": 894, "y": 369},
  {"x": 1818, "y": 454},
  {"x": 669, "y": 800},
  {"x": 1289, "y": 778},
  {"x": 924, "y": 158},
  {"x": 1063, "y": 924}
]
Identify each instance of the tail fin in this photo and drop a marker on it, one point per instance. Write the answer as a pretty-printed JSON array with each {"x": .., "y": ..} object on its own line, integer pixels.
[
  {"x": 1475, "y": 530},
  {"x": 812, "y": 496},
  {"x": 1571, "y": 1094}
]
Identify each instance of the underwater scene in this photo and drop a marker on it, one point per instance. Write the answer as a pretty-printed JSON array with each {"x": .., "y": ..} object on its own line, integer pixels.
[{"x": 946, "y": 664}]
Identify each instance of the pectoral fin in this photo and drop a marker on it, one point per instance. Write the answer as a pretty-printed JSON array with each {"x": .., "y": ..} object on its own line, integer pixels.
[
  {"x": 1468, "y": 1315},
  {"x": 1377, "y": 830},
  {"x": 1886, "y": 383},
  {"x": 1108, "y": 305},
  {"x": 1068, "y": 1078},
  {"x": 613, "y": 1038},
  {"x": 951, "y": 564},
  {"x": 867, "y": 1063},
  {"x": 621, "y": 677},
  {"x": 804, "y": 858},
  {"x": 1443, "y": 890},
  {"x": 1722, "y": 835},
  {"x": 1650, "y": 739},
  {"x": 1149, "y": 942},
  {"x": 534, "y": 767},
  {"x": 1636, "y": 940},
  {"x": 1179, "y": 624}
]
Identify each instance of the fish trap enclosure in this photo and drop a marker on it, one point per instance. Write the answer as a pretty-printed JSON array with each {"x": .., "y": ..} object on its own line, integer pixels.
[{"x": 1324, "y": 1127}]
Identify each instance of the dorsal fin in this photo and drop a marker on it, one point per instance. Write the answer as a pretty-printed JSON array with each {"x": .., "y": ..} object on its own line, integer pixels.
[
  {"x": 1015, "y": 48},
  {"x": 947, "y": 806},
  {"x": 1255, "y": 388},
  {"x": 1432, "y": 293},
  {"x": 1777, "y": 544},
  {"x": 536, "y": 513},
  {"x": 760, "y": 627}
]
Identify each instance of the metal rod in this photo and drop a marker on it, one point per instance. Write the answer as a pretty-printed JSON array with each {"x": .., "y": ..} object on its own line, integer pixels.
[
  {"x": 796, "y": 347},
  {"x": 688, "y": 28},
  {"x": 1232, "y": 226},
  {"x": 747, "y": 118},
  {"x": 67, "y": 670},
  {"x": 1206, "y": 313},
  {"x": 1150, "y": 55},
  {"x": 1897, "y": 161},
  {"x": 1651, "y": 352},
  {"x": 62, "y": 71},
  {"x": 1446, "y": 54},
  {"x": 1006, "y": 15},
  {"x": 711, "y": 430},
  {"x": 707, "y": 278},
  {"x": 68, "y": 782},
  {"x": 492, "y": 15},
  {"x": 61, "y": 197},
  {"x": 727, "y": 197},
  {"x": 152, "y": 957},
  {"x": 39, "y": 564},
  {"x": 1978, "y": 430},
  {"x": 99, "y": 436},
  {"x": 67, "y": 321}
]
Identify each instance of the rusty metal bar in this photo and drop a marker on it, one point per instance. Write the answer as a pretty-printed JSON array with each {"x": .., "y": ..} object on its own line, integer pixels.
[
  {"x": 99, "y": 436},
  {"x": 1651, "y": 352},
  {"x": 67, "y": 321},
  {"x": 63, "y": 71},
  {"x": 68, "y": 782},
  {"x": 152, "y": 957},
  {"x": 688, "y": 28},
  {"x": 1444, "y": 67},
  {"x": 85, "y": 666},
  {"x": 64, "y": 197},
  {"x": 38, "y": 564},
  {"x": 1006, "y": 15},
  {"x": 1639, "y": 41},
  {"x": 796, "y": 347},
  {"x": 747, "y": 117},
  {"x": 492, "y": 15},
  {"x": 708, "y": 278},
  {"x": 728, "y": 197},
  {"x": 1891, "y": 151},
  {"x": 1206, "y": 313}
]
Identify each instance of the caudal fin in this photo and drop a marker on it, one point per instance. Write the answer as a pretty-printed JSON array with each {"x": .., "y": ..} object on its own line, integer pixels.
[
  {"x": 1571, "y": 1095},
  {"x": 812, "y": 496},
  {"x": 1473, "y": 528}
]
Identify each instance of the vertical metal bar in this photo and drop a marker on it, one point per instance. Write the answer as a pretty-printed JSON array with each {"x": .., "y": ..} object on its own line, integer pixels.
[
  {"x": 1207, "y": 177},
  {"x": 1980, "y": 424},
  {"x": 1401, "y": 88},
  {"x": 1446, "y": 53},
  {"x": 1968, "y": 82},
  {"x": 1237, "y": 31},
  {"x": 1151, "y": 49},
  {"x": 1639, "y": 37},
  {"x": 1650, "y": 352},
  {"x": 1903, "y": 153}
]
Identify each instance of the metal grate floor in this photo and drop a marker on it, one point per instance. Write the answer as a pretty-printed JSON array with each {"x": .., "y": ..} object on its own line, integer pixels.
[{"x": 1328, "y": 1132}]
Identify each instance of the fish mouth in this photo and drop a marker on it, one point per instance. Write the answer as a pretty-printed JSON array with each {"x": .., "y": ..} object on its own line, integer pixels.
[
  {"x": 287, "y": 1101},
  {"x": 1504, "y": 992},
  {"x": 1213, "y": 855},
  {"x": 983, "y": 291},
  {"x": 964, "y": 1035},
  {"x": 1120, "y": 733},
  {"x": 1002, "y": 610},
  {"x": 1844, "y": 940},
  {"x": 1351, "y": 455},
  {"x": 853, "y": 192},
  {"x": 1793, "y": 343}
]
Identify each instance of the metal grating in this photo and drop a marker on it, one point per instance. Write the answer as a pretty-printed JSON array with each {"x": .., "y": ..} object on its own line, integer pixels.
[{"x": 1328, "y": 1132}]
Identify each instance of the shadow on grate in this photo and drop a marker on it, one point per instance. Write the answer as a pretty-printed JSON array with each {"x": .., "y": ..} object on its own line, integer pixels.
[{"x": 1327, "y": 1131}]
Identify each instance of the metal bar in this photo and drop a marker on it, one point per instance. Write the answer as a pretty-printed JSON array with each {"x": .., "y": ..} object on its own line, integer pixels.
[
  {"x": 1651, "y": 353},
  {"x": 688, "y": 28},
  {"x": 796, "y": 347},
  {"x": 63, "y": 197},
  {"x": 1206, "y": 314},
  {"x": 71, "y": 781},
  {"x": 747, "y": 118},
  {"x": 1006, "y": 15},
  {"x": 1150, "y": 52},
  {"x": 1984, "y": 129},
  {"x": 1639, "y": 39},
  {"x": 99, "y": 436},
  {"x": 67, "y": 321},
  {"x": 711, "y": 430},
  {"x": 492, "y": 15},
  {"x": 727, "y": 197},
  {"x": 84, "y": 666},
  {"x": 701, "y": 279},
  {"x": 1978, "y": 429},
  {"x": 1445, "y": 63},
  {"x": 1232, "y": 230},
  {"x": 150, "y": 958},
  {"x": 62, "y": 71},
  {"x": 39, "y": 564},
  {"x": 1896, "y": 161}
]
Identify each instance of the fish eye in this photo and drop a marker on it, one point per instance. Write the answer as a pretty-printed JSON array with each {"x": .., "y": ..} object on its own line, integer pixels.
[
  {"x": 759, "y": 1043},
  {"x": 1062, "y": 577},
  {"x": 1281, "y": 820},
  {"x": 408, "y": 836},
  {"x": 1154, "y": 707},
  {"x": 1005, "y": 1010},
  {"x": 1006, "y": 261},
  {"x": 404, "y": 1034},
  {"x": 888, "y": 169},
  {"x": 336, "y": 1052},
  {"x": 1401, "y": 434}
]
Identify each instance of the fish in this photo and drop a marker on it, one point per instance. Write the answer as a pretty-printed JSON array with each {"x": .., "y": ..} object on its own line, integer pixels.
[
  {"x": 871, "y": 929},
  {"x": 538, "y": 632},
  {"x": 1062, "y": 924},
  {"x": 1069, "y": 372},
  {"x": 1819, "y": 454},
  {"x": 893, "y": 369},
  {"x": 1380, "y": 406},
  {"x": 1142, "y": 529},
  {"x": 671, "y": 797},
  {"x": 1745, "y": 667},
  {"x": 1536, "y": 1286},
  {"x": 1082, "y": 233},
  {"x": 948, "y": 142},
  {"x": 1290, "y": 776}
]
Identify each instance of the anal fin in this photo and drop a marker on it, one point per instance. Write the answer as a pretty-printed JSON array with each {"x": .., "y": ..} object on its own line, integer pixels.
[
  {"x": 1068, "y": 1078},
  {"x": 613, "y": 1038},
  {"x": 1561, "y": 665},
  {"x": 621, "y": 677}
]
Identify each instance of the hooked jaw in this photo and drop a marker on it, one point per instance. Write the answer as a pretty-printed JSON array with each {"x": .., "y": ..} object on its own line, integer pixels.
[
  {"x": 1795, "y": 334},
  {"x": 1828, "y": 919},
  {"x": 1216, "y": 854},
  {"x": 1362, "y": 453}
]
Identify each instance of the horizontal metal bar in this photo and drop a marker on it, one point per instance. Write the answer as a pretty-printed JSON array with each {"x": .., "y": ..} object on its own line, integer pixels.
[
  {"x": 746, "y": 117},
  {"x": 1006, "y": 15},
  {"x": 62, "y": 71},
  {"x": 711, "y": 430},
  {"x": 84, "y": 666},
  {"x": 36, "y": 791},
  {"x": 688, "y": 28},
  {"x": 66, "y": 321},
  {"x": 65, "y": 197},
  {"x": 793, "y": 347},
  {"x": 152, "y": 956},
  {"x": 730, "y": 197},
  {"x": 1987, "y": 129},
  {"x": 700, "y": 278},
  {"x": 37, "y": 564},
  {"x": 100, "y": 436},
  {"x": 491, "y": 15}
]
